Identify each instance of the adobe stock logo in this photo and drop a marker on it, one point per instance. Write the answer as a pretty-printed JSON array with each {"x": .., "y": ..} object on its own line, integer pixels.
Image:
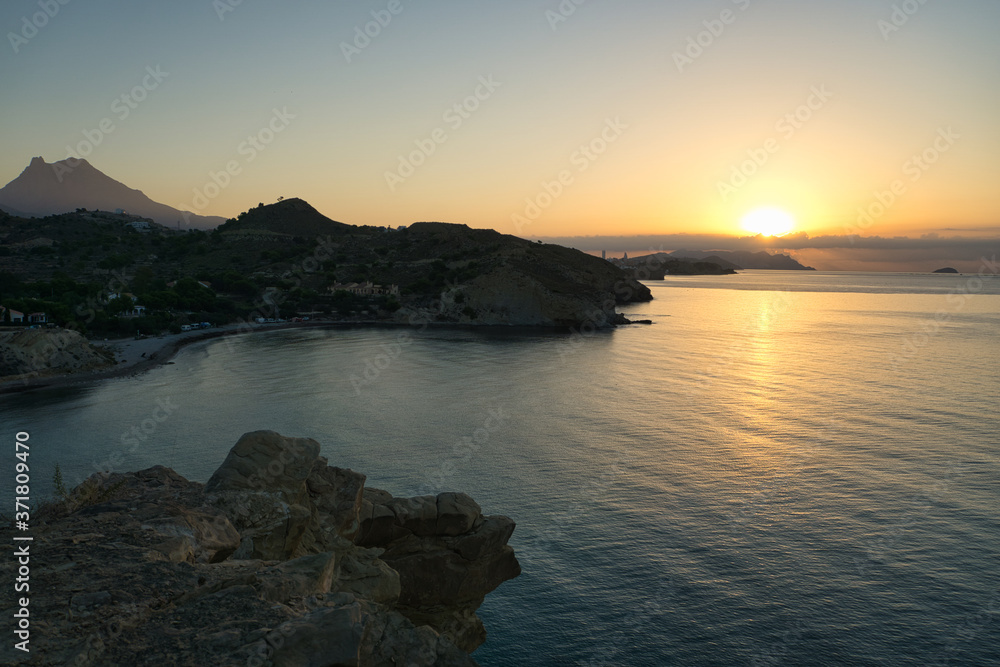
[
  {"x": 899, "y": 17},
  {"x": 455, "y": 116},
  {"x": 249, "y": 149},
  {"x": 915, "y": 167},
  {"x": 582, "y": 158},
  {"x": 122, "y": 107},
  {"x": 38, "y": 20},
  {"x": 788, "y": 125},
  {"x": 714, "y": 28},
  {"x": 363, "y": 35}
]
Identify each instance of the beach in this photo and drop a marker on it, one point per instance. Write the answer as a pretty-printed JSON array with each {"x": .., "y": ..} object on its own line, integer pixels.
[{"x": 136, "y": 356}]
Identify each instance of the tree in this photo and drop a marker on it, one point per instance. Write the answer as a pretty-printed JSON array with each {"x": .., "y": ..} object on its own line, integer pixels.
[
  {"x": 118, "y": 305},
  {"x": 143, "y": 280}
]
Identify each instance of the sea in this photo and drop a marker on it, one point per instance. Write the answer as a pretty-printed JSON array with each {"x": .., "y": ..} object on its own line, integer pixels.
[{"x": 783, "y": 468}]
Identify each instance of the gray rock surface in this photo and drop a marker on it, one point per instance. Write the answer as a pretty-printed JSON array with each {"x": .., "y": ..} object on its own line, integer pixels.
[
  {"x": 29, "y": 353},
  {"x": 308, "y": 568}
]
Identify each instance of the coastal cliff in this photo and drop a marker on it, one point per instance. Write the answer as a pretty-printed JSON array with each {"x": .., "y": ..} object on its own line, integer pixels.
[
  {"x": 280, "y": 559},
  {"x": 38, "y": 352}
]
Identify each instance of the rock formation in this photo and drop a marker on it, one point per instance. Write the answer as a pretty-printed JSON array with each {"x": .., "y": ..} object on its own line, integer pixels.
[
  {"x": 30, "y": 353},
  {"x": 280, "y": 559}
]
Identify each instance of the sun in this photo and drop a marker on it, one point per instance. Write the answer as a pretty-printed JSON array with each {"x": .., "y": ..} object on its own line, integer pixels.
[{"x": 768, "y": 222}]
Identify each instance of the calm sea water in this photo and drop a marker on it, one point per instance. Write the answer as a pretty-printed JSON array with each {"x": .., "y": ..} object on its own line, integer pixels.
[{"x": 784, "y": 469}]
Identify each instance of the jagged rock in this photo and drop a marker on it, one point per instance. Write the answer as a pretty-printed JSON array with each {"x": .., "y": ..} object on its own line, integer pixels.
[
  {"x": 351, "y": 632},
  {"x": 267, "y": 461},
  {"x": 207, "y": 534},
  {"x": 378, "y": 521},
  {"x": 160, "y": 571},
  {"x": 447, "y": 554},
  {"x": 337, "y": 495},
  {"x": 417, "y": 515},
  {"x": 325, "y": 638},
  {"x": 270, "y": 528},
  {"x": 456, "y": 513},
  {"x": 432, "y": 575},
  {"x": 301, "y": 577},
  {"x": 364, "y": 574}
]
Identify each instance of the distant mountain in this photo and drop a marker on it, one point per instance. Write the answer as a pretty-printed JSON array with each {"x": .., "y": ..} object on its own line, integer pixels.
[
  {"x": 50, "y": 189},
  {"x": 13, "y": 211},
  {"x": 660, "y": 264},
  {"x": 744, "y": 259},
  {"x": 288, "y": 217},
  {"x": 725, "y": 264}
]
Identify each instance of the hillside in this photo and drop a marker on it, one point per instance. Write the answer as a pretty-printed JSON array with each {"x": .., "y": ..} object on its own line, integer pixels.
[
  {"x": 49, "y": 189},
  {"x": 284, "y": 259},
  {"x": 288, "y": 218}
]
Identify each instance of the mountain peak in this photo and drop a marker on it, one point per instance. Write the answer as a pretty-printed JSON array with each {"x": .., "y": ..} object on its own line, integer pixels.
[
  {"x": 294, "y": 217},
  {"x": 48, "y": 189}
]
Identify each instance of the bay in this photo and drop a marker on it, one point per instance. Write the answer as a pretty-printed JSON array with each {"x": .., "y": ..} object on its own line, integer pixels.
[{"x": 784, "y": 468}]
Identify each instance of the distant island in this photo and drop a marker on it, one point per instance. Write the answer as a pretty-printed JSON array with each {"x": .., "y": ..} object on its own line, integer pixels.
[
  {"x": 743, "y": 259},
  {"x": 658, "y": 265},
  {"x": 946, "y": 269}
]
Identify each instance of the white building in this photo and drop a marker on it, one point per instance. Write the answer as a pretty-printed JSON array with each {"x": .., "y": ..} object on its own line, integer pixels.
[
  {"x": 15, "y": 315},
  {"x": 366, "y": 289}
]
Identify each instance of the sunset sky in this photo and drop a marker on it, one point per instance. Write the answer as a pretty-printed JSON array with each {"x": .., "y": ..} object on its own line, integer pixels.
[{"x": 622, "y": 118}]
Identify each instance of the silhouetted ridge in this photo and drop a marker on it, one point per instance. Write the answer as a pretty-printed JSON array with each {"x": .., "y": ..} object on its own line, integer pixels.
[{"x": 292, "y": 217}]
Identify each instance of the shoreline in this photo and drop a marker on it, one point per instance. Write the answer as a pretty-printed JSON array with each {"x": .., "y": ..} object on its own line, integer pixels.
[{"x": 135, "y": 357}]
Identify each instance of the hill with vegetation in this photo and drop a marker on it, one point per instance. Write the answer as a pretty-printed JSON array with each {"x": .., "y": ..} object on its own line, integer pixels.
[{"x": 92, "y": 270}]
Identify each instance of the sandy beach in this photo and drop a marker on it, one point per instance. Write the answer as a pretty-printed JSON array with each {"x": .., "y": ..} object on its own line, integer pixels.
[{"x": 138, "y": 356}]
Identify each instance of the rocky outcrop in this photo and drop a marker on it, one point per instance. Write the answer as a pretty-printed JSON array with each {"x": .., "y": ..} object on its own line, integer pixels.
[
  {"x": 448, "y": 556},
  {"x": 509, "y": 296},
  {"x": 280, "y": 559},
  {"x": 28, "y": 353},
  {"x": 483, "y": 277}
]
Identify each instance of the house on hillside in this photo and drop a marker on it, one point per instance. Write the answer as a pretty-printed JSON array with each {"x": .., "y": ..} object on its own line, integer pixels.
[
  {"x": 139, "y": 226},
  {"x": 38, "y": 318},
  {"x": 16, "y": 316},
  {"x": 135, "y": 311},
  {"x": 366, "y": 289}
]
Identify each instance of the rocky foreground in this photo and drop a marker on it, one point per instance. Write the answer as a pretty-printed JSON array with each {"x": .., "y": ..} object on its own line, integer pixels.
[{"x": 280, "y": 559}]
